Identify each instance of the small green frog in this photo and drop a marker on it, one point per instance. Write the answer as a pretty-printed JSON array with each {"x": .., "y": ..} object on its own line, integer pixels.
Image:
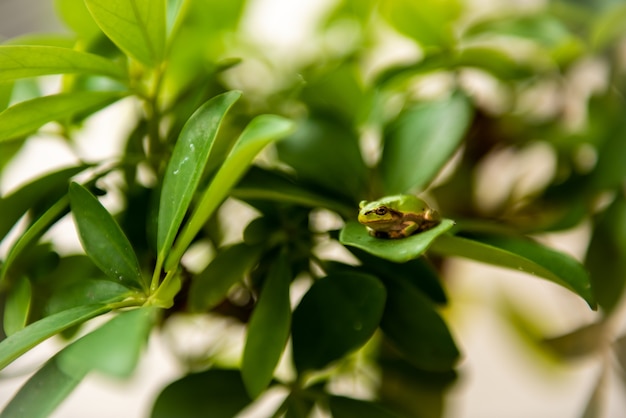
[{"x": 397, "y": 216}]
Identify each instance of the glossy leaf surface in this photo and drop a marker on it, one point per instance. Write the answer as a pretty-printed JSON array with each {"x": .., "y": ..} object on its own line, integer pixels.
[
  {"x": 397, "y": 250},
  {"x": 30, "y": 60},
  {"x": 137, "y": 27},
  {"x": 187, "y": 164},
  {"x": 337, "y": 315},
  {"x": 215, "y": 393},
  {"x": 268, "y": 329},
  {"x": 103, "y": 239},
  {"x": 26, "y": 117}
]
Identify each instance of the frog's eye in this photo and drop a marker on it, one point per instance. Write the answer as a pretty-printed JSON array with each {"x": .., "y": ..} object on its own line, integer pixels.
[{"x": 380, "y": 211}]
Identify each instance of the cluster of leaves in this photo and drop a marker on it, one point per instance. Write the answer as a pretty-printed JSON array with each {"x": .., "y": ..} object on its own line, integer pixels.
[{"x": 197, "y": 138}]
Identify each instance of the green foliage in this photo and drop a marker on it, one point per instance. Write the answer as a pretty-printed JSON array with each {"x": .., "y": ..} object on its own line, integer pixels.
[{"x": 328, "y": 130}]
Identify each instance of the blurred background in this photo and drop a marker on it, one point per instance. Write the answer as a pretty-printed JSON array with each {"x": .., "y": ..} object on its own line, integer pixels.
[{"x": 501, "y": 374}]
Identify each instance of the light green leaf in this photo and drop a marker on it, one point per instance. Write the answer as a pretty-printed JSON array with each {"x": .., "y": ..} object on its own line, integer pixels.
[
  {"x": 17, "y": 306},
  {"x": 26, "y": 117},
  {"x": 268, "y": 329},
  {"x": 215, "y": 393},
  {"x": 187, "y": 164},
  {"x": 415, "y": 328},
  {"x": 396, "y": 250},
  {"x": 30, "y": 61},
  {"x": 227, "y": 268},
  {"x": 521, "y": 254},
  {"x": 137, "y": 27},
  {"x": 113, "y": 349},
  {"x": 42, "y": 393},
  {"x": 337, "y": 315},
  {"x": 22, "y": 341},
  {"x": 261, "y": 131},
  {"x": 103, "y": 239},
  {"x": 75, "y": 15},
  {"x": 420, "y": 142}
]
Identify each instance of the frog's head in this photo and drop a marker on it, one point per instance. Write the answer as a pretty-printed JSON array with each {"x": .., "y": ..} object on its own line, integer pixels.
[{"x": 378, "y": 216}]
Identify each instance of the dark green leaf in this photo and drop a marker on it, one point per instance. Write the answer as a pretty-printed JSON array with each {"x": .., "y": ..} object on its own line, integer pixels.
[
  {"x": 22, "y": 341},
  {"x": 521, "y": 254},
  {"x": 228, "y": 267},
  {"x": 26, "y": 117},
  {"x": 396, "y": 250},
  {"x": 113, "y": 349},
  {"x": 42, "y": 393},
  {"x": 187, "y": 165},
  {"x": 103, "y": 240},
  {"x": 343, "y": 407},
  {"x": 214, "y": 393},
  {"x": 337, "y": 315},
  {"x": 137, "y": 27},
  {"x": 268, "y": 329},
  {"x": 86, "y": 292},
  {"x": 260, "y": 132},
  {"x": 415, "y": 328},
  {"x": 420, "y": 142},
  {"x": 17, "y": 306},
  {"x": 30, "y": 60}
]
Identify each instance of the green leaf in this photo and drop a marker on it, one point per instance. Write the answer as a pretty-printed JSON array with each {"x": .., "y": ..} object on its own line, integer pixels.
[
  {"x": 103, "y": 239},
  {"x": 86, "y": 292},
  {"x": 494, "y": 61},
  {"x": 260, "y": 132},
  {"x": 584, "y": 341},
  {"x": 337, "y": 315},
  {"x": 344, "y": 407},
  {"x": 420, "y": 142},
  {"x": 17, "y": 306},
  {"x": 113, "y": 349},
  {"x": 228, "y": 267},
  {"x": 30, "y": 61},
  {"x": 22, "y": 341},
  {"x": 75, "y": 15},
  {"x": 415, "y": 328},
  {"x": 215, "y": 393},
  {"x": 521, "y": 254},
  {"x": 397, "y": 250},
  {"x": 42, "y": 393},
  {"x": 268, "y": 329},
  {"x": 36, "y": 194},
  {"x": 187, "y": 164},
  {"x": 137, "y": 27},
  {"x": 26, "y": 117}
]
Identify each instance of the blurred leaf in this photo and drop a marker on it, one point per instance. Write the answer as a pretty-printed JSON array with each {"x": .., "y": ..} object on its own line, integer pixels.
[
  {"x": 433, "y": 61},
  {"x": 268, "y": 329},
  {"x": 610, "y": 170},
  {"x": 113, "y": 349},
  {"x": 86, "y": 292},
  {"x": 596, "y": 403},
  {"x": 496, "y": 62},
  {"x": 215, "y": 393},
  {"x": 344, "y": 407},
  {"x": 30, "y": 61},
  {"x": 137, "y": 27},
  {"x": 395, "y": 250},
  {"x": 412, "y": 324},
  {"x": 48, "y": 188},
  {"x": 22, "y": 341},
  {"x": 26, "y": 117},
  {"x": 583, "y": 341},
  {"x": 606, "y": 255},
  {"x": 417, "y": 272},
  {"x": 75, "y": 15},
  {"x": 43, "y": 39},
  {"x": 263, "y": 184},
  {"x": 609, "y": 26},
  {"x": 42, "y": 393},
  {"x": 186, "y": 166},
  {"x": 429, "y": 22},
  {"x": 260, "y": 132},
  {"x": 619, "y": 347},
  {"x": 103, "y": 240},
  {"x": 326, "y": 153},
  {"x": 17, "y": 306},
  {"x": 421, "y": 140},
  {"x": 337, "y": 315},
  {"x": 228, "y": 267},
  {"x": 6, "y": 91},
  {"x": 523, "y": 254}
]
